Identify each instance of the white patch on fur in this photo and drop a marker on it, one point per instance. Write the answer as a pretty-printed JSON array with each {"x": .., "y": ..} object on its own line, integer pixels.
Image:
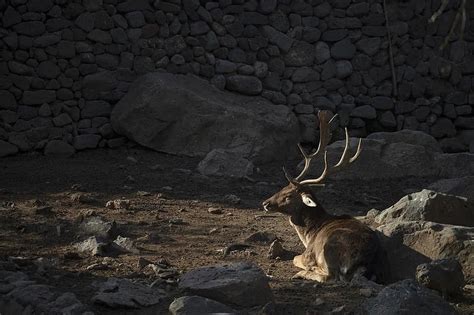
[{"x": 308, "y": 200}]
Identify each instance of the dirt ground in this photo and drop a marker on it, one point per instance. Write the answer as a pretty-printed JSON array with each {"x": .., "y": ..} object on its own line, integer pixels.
[{"x": 172, "y": 223}]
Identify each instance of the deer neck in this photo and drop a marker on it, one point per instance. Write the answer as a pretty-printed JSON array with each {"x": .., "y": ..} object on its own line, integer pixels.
[{"x": 309, "y": 220}]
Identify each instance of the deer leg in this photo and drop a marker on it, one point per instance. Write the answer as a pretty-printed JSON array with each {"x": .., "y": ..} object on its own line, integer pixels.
[
  {"x": 314, "y": 275},
  {"x": 298, "y": 262}
]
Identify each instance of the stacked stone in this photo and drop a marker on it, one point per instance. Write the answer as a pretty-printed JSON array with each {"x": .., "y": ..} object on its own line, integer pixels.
[{"x": 64, "y": 64}]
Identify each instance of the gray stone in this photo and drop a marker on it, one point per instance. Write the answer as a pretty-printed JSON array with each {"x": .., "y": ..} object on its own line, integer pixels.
[
  {"x": 221, "y": 162},
  {"x": 85, "y": 21},
  {"x": 224, "y": 66},
  {"x": 135, "y": 19},
  {"x": 382, "y": 102},
  {"x": 343, "y": 69},
  {"x": 58, "y": 148},
  {"x": 268, "y": 6},
  {"x": 369, "y": 45},
  {"x": 47, "y": 40},
  {"x": 123, "y": 293},
  {"x": 48, "y": 70},
  {"x": 31, "y": 28},
  {"x": 343, "y": 49},
  {"x": 278, "y": 38},
  {"x": 443, "y": 275},
  {"x": 11, "y": 17},
  {"x": 38, "y": 97},
  {"x": 169, "y": 97},
  {"x": 7, "y": 100},
  {"x": 304, "y": 74},
  {"x": 408, "y": 136},
  {"x": 189, "y": 305},
  {"x": 242, "y": 284},
  {"x": 443, "y": 127},
  {"x": 364, "y": 111},
  {"x": 387, "y": 119},
  {"x": 94, "y": 246},
  {"x": 62, "y": 120},
  {"x": 247, "y": 85},
  {"x": 452, "y": 145},
  {"x": 95, "y": 109},
  {"x": 100, "y": 36},
  {"x": 322, "y": 52},
  {"x": 7, "y": 148},
  {"x": 19, "y": 68},
  {"x": 428, "y": 205},
  {"x": 125, "y": 245},
  {"x": 82, "y": 142},
  {"x": 464, "y": 122},
  {"x": 199, "y": 28},
  {"x": 99, "y": 85},
  {"x": 301, "y": 54},
  {"x": 98, "y": 227},
  {"x": 407, "y": 296},
  {"x": 411, "y": 243}
]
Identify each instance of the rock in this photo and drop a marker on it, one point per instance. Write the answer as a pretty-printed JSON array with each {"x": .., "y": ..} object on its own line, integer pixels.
[
  {"x": 125, "y": 244},
  {"x": 322, "y": 52},
  {"x": 444, "y": 276},
  {"x": 99, "y": 85},
  {"x": 123, "y": 293},
  {"x": 225, "y": 163},
  {"x": 278, "y": 38},
  {"x": 38, "y": 97},
  {"x": 98, "y": 227},
  {"x": 407, "y": 296},
  {"x": 428, "y": 205},
  {"x": 93, "y": 246},
  {"x": 241, "y": 284},
  {"x": 454, "y": 164},
  {"x": 244, "y": 84},
  {"x": 7, "y": 100},
  {"x": 463, "y": 186},
  {"x": 300, "y": 54},
  {"x": 118, "y": 204},
  {"x": 276, "y": 250},
  {"x": 185, "y": 115},
  {"x": 364, "y": 111},
  {"x": 408, "y": 136},
  {"x": 58, "y": 148},
  {"x": 96, "y": 108},
  {"x": 7, "y": 148},
  {"x": 82, "y": 142},
  {"x": 343, "y": 49},
  {"x": 263, "y": 237},
  {"x": 409, "y": 244},
  {"x": 189, "y": 305}
]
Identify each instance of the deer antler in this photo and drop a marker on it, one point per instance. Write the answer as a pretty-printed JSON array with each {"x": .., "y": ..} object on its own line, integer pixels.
[{"x": 325, "y": 137}]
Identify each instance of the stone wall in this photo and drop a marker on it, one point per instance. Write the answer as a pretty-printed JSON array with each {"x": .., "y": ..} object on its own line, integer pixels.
[{"x": 64, "y": 64}]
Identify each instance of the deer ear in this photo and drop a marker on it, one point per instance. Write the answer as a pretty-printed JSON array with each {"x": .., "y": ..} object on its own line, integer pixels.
[{"x": 308, "y": 200}]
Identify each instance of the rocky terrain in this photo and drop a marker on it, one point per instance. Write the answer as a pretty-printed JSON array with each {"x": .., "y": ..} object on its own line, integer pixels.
[{"x": 130, "y": 230}]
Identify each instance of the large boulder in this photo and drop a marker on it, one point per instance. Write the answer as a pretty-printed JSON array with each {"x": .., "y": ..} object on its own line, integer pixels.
[
  {"x": 408, "y": 136},
  {"x": 428, "y": 205},
  {"x": 182, "y": 114},
  {"x": 411, "y": 243},
  {"x": 407, "y": 297},
  {"x": 443, "y": 275},
  {"x": 463, "y": 186},
  {"x": 221, "y": 162},
  {"x": 241, "y": 284}
]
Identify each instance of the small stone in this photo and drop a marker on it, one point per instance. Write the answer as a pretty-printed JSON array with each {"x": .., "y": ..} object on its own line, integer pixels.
[
  {"x": 276, "y": 250},
  {"x": 232, "y": 199},
  {"x": 214, "y": 210},
  {"x": 118, "y": 204},
  {"x": 263, "y": 237}
]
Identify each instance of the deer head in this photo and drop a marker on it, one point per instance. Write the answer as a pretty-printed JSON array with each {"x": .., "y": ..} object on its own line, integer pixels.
[{"x": 298, "y": 195}]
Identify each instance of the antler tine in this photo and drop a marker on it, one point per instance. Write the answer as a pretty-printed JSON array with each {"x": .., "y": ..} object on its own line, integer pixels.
[
  {"x": 345, "y": 160},
  {"x": 324, "y": 138}
]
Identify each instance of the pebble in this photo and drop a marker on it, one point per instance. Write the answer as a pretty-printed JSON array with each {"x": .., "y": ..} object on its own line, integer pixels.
[{"x": 212, "y": 210}]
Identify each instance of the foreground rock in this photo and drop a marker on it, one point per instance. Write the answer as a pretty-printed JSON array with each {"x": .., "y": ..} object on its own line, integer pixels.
[
  {"x": 407, "y": 297},
  {"x": 189, "y": 305},
  {"x": 122, "y": 293},
  {"x": 444, "y": 276},
  {"x": 241, "y": 284},
  {"x": 98, "y": 227},
  {"x": 182, "y": 114},
  {"x": 409, "y": 244},
  {"x": 221, "y": 162},
  {"x": 428, "y": 205}
]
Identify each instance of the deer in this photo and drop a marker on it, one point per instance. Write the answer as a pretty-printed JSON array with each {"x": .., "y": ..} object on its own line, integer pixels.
[{"x": 336, "y": 247}]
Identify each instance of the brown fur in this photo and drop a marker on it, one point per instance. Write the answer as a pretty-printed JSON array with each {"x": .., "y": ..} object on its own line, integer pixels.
[{"x": 337, "y": 247}]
